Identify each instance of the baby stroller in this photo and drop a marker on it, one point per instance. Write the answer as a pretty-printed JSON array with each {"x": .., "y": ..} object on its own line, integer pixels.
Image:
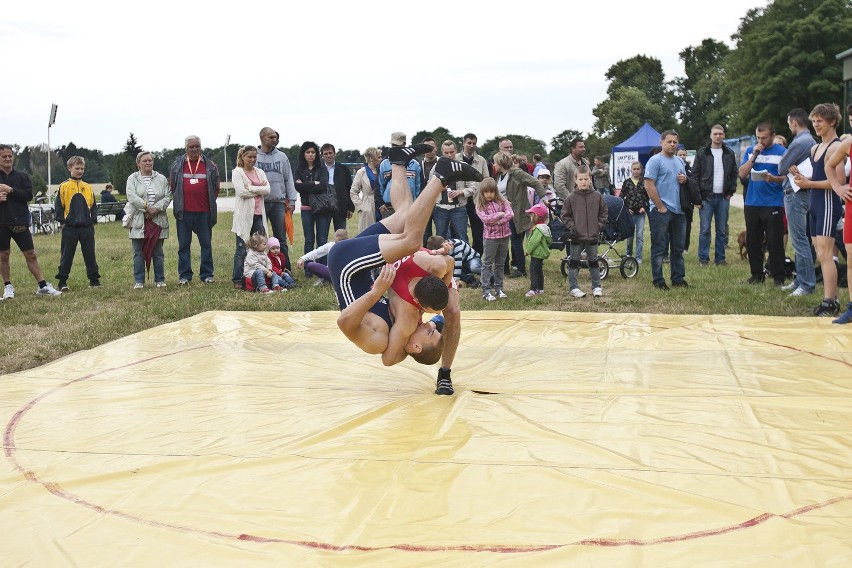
[{"x": 618, "y": 228}]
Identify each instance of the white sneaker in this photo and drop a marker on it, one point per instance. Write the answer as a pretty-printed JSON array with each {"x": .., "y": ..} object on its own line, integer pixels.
[
  {"x": 489, "y": 297},
  {"x": 161, "y": 284},
  {"x": 8, "y": 292},
  {"x": 597, "y": 292},
  {"x": 501, "y": 294},
  {"x": 138, "y": 286},
  {"x": 48, "y": 290},
  {"x": 577, "y": 293},
  {"x": 797, "y": 292},
  {"x": 531, "y": 293},
  {"x": 791, "y": 286}
]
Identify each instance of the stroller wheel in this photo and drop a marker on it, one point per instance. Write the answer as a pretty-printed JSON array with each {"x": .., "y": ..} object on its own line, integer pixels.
[
  {"x": 629, "y": 267},
  {"x": 603, "y": 267},
  {"x": 563, "y": 267}
]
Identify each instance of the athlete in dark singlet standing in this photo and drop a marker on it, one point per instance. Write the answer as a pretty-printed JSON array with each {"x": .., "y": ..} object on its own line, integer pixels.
[
  {"x": 843, "y": 188},
  {"x": 825, "y": 205}
]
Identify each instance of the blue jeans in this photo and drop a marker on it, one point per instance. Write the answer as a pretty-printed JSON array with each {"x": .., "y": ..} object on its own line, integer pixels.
[
  {"x": 315, "y": 227},
  {"x": 797, "y": 206},
  {"x": 284, "y": 280},
  {"x": 455, "y": 218},
  {"x": 198, "y": 223},
  {"x": 158, "y": 261},
  {"x": 275, "y": 211},
  {"x": 258, "y": 278},
  {"x": 716, "y": 210},
  {"x": 639, "y": 229},
  {"x": 240, "y": 251},
  {"x": 667, "y": 228}
]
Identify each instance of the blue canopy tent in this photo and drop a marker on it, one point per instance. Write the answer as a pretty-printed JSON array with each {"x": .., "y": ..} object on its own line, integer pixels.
[{"x": 640, "y": 143}]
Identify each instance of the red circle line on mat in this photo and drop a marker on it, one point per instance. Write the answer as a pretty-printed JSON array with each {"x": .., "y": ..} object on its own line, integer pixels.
[{"x": 10, "y": 450}]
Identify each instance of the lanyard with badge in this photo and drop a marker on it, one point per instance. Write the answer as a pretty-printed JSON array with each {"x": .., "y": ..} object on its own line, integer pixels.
[{"x": 193, "y": 179}]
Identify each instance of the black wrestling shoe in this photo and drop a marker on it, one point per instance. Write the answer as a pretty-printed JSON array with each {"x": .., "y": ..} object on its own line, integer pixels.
[
  {"x": 826, "y": 308},
  {"x": 401, "y": 155},
  {"x": 449, "y": 171},
  {"x": 445, "y": 384}
]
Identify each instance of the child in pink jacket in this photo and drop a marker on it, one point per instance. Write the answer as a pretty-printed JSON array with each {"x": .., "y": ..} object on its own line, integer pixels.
[{"x": 495, "y": 212}]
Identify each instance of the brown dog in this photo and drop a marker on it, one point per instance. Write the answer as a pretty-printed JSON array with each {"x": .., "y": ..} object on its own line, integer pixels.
[{"x": 741, "y": 240}]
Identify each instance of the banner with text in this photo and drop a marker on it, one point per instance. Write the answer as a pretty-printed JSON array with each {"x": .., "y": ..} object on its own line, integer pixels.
[{"x": 621, "y": 166}]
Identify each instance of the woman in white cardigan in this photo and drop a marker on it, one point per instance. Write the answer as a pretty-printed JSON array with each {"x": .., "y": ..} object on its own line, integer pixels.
[
  {"x": 250, "y": 185},
  {"x": 364, "y": 187}
]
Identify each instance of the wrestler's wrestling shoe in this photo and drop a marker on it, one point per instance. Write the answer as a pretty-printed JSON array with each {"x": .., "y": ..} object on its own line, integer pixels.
[
  {"x": 445, "y": 384},
  {"x": 401, "y": 155},
  {"x": 449, "y": 171}
]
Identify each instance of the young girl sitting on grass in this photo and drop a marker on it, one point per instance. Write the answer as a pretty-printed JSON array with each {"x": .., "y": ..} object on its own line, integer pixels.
[
  {"x": 279, "y": 263},
  {"x": 258, "y": 267},
  {"x": 495, "y": 212}
]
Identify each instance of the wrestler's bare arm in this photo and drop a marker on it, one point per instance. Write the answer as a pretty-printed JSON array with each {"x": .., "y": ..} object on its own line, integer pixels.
[{"x": 364, "y": 329}]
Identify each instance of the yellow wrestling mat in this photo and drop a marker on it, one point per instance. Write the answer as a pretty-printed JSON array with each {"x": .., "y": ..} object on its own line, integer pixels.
[{"x": 242, "y": 439}]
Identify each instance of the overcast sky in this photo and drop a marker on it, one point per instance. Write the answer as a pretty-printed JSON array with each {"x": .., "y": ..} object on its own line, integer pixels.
[{"x": 348, "y": 73}]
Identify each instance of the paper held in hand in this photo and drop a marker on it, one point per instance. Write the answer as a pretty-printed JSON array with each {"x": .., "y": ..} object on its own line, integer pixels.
[{"x": 806, "y": 169}]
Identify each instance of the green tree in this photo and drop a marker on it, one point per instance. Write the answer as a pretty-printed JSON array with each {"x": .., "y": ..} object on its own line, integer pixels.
[
  {"x": 641, "y": 72},
  {"x": 131, "y": 146},
  {"x": 699, "y": 95},
  {"x": 625, "y": 111},
  {"x": 349, "y": 157},
  {"x": 597, "y": 146},
  {"x": 125, "y": 164},
  {"x": 785, "y": 58},
  {"x": 439, "y": 134},
  {"x": 637, "y": 93},
  {"x": 522, "y": 144},
  {"x": 560, "y": 145},
  {"x": 39, "y": 185}
]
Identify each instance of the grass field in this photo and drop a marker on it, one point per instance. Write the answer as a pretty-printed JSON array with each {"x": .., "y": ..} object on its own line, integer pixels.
[{"x": 40, "y": 329}]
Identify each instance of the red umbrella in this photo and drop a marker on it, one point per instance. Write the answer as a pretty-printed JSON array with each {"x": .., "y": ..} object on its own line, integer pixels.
[{"x": 149, "y": 242}]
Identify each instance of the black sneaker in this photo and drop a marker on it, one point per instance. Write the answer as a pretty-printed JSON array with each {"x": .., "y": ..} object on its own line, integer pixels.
[
  {"x": 681, "y": 284},
  {"x": 62, "y": 286},
  {"x": 779, "y": 282},
  {"x": 661, "y": 285},
  {"x": 827, "y": 308},
  {"x": 449, "y": 171},
  {"x": 94, "y": 283},
  {"x": 403, "y": 154},
  {"x": 755, "y": 280},
  {"x": 445, "y": 384}
]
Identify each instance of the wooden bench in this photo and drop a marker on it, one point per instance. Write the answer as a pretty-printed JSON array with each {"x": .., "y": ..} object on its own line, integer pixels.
[{"x": 114, "y": 208}]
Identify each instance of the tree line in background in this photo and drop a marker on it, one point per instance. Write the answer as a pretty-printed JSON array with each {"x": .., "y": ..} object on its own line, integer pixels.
[{"x": 784, "y": 58}]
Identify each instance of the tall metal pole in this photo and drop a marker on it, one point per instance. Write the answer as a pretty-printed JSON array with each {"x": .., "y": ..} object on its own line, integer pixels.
[{"x": 50, "y": 122}]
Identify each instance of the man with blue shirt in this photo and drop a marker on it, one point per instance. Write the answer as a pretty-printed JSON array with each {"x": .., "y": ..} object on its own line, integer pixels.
[
  {"x": 663, "y": 175},
  {"x": 764, "y": 205}
]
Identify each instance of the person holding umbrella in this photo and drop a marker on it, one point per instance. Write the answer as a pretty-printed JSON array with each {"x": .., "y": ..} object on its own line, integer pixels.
[{"x": 148, "y": 198}]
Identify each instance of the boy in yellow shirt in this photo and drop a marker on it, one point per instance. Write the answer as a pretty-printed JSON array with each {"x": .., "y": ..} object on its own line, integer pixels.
[{"x": 77, "y": 214}]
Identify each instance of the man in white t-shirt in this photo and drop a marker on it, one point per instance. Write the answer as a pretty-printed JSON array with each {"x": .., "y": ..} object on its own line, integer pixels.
[{"x": 715, "y": 170}]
